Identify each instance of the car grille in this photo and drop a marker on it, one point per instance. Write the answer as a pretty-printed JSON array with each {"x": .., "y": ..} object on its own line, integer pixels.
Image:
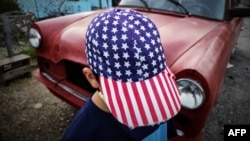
[
  {"x": 68, "y": 70},
  {"x": 75, "y": 76}
]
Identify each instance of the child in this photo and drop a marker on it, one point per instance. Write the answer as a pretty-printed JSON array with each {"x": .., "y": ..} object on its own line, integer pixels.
[{"x": 136, "y": 91}]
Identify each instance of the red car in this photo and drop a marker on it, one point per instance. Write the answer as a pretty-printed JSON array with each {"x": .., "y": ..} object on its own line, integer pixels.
[{"x": 198, "y": 37}]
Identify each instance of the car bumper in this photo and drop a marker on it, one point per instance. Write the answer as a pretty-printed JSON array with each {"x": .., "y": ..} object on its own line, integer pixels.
[
  {"x": 63, "y": 89},
  {"x": 77, "y": 96}
]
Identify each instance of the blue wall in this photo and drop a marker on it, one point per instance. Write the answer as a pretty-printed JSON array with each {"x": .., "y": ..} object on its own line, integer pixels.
[
  {"x": 104, "y": 3},
  {"x": 45, "y": 8}
]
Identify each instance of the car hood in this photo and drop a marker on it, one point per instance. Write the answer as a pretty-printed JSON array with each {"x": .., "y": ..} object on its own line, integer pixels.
[{"x": 178, "y": 35}]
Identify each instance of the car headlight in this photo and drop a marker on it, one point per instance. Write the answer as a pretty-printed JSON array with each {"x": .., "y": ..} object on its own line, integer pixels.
[
  {"x": 34, "y": 38},
  {"x": 191, "y": 93}
]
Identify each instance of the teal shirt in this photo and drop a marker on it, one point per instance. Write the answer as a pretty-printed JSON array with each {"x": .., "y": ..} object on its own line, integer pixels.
[{"x": 159, "y": 135}]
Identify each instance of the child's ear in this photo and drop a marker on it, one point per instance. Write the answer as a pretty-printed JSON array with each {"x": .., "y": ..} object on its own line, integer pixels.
[{"x": 90, "y": 76}]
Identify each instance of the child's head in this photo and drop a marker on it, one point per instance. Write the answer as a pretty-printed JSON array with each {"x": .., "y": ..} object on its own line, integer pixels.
[{"x": 123, "y": 47}]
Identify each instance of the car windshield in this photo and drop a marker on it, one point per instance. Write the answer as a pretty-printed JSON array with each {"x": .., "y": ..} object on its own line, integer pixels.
[{"x": 213, "y": 9}]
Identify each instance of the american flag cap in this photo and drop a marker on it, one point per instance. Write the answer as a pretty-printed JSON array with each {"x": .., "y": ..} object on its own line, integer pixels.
[{"x": 123, "y": 47}]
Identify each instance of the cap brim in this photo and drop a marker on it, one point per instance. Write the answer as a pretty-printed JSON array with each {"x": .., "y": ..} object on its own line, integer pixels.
[{"x": 142, "y": 103}]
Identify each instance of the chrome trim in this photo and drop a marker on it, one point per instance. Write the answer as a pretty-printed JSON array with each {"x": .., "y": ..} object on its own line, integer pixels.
[
  {"x": 66, "y": 88},
  {"x": 180, "y": 132}
]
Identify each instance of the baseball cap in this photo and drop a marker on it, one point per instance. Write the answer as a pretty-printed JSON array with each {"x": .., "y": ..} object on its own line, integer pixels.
[{"x": 123, "y": 47}]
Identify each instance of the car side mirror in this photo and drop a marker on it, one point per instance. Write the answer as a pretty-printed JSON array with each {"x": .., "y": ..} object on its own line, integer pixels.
[{"x": 240, "y": 12}]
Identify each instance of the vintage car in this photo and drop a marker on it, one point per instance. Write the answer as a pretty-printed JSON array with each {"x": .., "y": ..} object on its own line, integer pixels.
[{"x": 198, "y": 37}]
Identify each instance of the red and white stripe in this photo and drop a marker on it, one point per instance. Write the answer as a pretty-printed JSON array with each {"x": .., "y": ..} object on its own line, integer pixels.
[{"x": 142, "y": 103}]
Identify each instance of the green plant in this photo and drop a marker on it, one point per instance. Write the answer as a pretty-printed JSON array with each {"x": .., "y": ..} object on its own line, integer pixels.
[{"x": 29, "y": 51}]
